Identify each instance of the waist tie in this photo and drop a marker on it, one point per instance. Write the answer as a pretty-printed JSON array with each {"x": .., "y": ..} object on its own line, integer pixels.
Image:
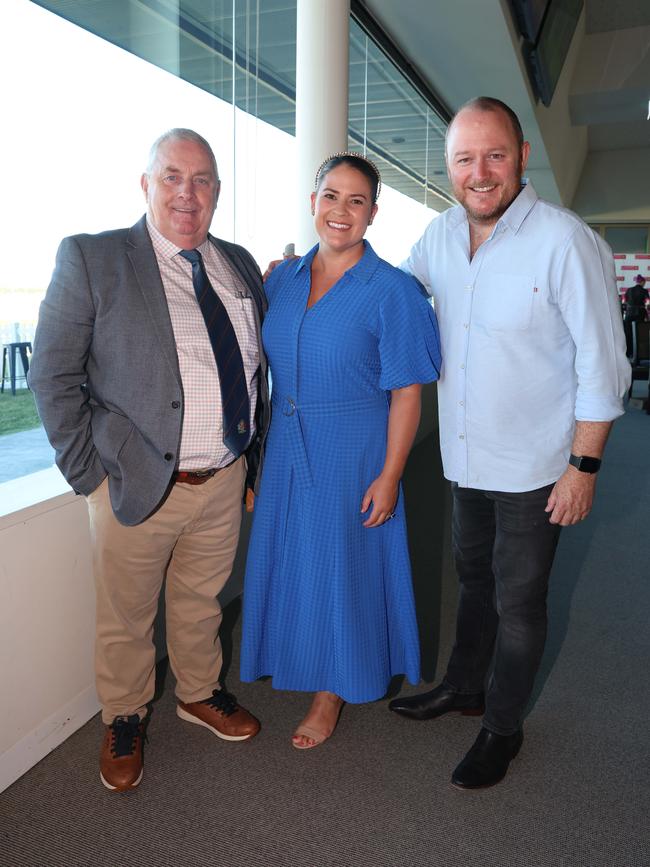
[{"x": 294, "y": 413}]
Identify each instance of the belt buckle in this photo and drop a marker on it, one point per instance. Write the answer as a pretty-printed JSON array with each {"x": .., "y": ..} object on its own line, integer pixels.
[{"x": 194, "y": 477}]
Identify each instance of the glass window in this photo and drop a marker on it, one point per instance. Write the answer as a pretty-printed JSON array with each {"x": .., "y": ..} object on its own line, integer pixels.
[
  {"x": 391, "y": 123},
  {"x": 85, "y": 131},
  {"x": 194, "y": 39},
  {"x": 94, "y": 84},
  {"x": 627, "y": 239}
]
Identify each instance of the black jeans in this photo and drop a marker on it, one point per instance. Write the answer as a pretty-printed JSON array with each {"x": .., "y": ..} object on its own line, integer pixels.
[{"x": 503, "y": 548}]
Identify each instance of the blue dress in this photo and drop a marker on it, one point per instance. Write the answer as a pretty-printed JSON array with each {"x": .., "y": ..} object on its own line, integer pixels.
[{"x": 328, "y": 603}]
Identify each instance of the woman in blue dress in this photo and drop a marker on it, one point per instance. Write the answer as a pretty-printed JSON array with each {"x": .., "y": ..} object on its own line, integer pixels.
[{"x": 328, "y": 600}]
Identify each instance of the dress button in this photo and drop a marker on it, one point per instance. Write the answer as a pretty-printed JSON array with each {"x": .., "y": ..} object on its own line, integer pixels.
[
  {"x": 289, "y": 407},
  {"x": 175, "y": 404},
  {"x": 169, "y": 456}
]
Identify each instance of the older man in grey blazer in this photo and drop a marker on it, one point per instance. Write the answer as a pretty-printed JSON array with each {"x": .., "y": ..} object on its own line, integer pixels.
[{"x": 134, "y": 392}]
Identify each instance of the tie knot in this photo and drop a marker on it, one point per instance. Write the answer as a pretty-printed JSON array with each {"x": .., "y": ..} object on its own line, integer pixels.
[{"x": 192, "y": 256}]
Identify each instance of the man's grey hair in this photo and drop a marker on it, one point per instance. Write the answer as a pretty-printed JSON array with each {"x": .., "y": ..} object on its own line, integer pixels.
[{"x": 181, "y": 134}]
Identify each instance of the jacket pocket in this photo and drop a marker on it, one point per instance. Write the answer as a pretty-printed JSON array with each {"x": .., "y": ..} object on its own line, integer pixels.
[{"x": 110, "y": 432}]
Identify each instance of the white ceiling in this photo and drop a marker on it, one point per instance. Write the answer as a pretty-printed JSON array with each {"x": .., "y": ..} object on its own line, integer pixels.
[
  {"x": 472, "y": 47},
  {"x": 606, "y": 15}
]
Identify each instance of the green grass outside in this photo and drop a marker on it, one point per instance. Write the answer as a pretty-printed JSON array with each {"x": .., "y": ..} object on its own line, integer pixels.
[{"x": 17, "y": 413}]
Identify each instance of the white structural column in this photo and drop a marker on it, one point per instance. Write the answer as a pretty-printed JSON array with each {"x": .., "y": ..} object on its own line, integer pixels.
[{"x": 322, "y": 63}]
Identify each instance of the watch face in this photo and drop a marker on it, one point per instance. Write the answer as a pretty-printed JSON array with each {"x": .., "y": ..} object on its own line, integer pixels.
[{"x": 585, "y": 464}]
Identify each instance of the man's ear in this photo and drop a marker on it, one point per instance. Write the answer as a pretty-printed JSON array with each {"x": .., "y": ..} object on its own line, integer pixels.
[
  {"x": 144, "y": 183},
  {"x": 525, "y": 153}
]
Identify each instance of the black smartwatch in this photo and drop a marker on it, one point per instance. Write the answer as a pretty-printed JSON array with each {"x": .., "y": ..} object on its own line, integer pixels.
[{"x": 585, "y": 464}]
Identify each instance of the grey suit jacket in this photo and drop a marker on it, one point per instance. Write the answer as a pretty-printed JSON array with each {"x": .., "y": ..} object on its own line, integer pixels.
[{"x": 105, "y": 372}]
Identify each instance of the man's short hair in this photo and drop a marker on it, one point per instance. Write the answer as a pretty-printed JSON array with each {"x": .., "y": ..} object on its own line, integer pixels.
[
  {"x": 639, "y": 278},
  {"x": 491, "y": 103},
  {"x": 182, "y": 134}
]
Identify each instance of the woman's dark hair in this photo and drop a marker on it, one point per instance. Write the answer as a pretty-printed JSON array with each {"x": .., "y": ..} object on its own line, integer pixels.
[{"x": 361, "y": 164}]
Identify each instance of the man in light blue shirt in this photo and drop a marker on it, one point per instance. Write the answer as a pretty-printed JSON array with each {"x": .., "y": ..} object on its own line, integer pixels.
[{"x": 534, "y": 373}]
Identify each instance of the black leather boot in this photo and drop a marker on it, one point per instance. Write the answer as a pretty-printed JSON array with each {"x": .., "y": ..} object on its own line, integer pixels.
[
  {"x": 441, "y": 700},
  {"x": 487, "y": 762}
]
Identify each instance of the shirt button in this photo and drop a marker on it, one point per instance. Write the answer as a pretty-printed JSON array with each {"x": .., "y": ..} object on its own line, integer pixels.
[
  {"x": 175, "y": 404},
  {"x": 169, "y": 456},
  {"x": 465, "y": 325},
  {"x": 461, "y": 437},
  {"x": 461, "y": 403},
  {"x": 462, "y": 367}
]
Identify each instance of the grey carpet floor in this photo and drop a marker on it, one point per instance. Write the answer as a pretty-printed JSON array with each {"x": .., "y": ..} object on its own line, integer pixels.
[{"x": 378, "y": 792}]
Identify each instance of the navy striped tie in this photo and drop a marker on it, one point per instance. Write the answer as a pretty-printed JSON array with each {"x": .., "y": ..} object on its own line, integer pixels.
[{"x": 234, "y": 393}]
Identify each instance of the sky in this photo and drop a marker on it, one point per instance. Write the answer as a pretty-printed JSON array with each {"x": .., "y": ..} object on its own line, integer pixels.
[{"x": 80, "y": 119}]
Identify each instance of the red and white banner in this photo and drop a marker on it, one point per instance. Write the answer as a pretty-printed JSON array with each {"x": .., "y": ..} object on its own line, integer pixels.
[{"x": 628, "y": 265}]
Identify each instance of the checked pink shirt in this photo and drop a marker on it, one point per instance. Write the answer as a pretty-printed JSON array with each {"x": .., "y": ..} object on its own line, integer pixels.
[{"x": 202, "y": 444}]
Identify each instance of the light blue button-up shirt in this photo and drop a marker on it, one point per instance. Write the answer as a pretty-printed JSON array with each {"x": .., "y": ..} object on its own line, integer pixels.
[{"x": 532, "y": 339}]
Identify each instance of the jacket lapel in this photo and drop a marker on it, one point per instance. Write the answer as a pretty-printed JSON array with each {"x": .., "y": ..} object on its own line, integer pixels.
[
  {"x": 249, "y": 278},
  {"x": 145, "y": 267}
]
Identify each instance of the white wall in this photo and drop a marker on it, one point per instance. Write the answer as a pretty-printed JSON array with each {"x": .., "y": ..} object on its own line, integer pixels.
[
  {"x": 46, "y": 631},
  {"x": 615, "y": 187}
]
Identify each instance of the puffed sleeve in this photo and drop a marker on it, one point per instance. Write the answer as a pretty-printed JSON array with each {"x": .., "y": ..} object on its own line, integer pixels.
[{"x": 409, "y": 341}]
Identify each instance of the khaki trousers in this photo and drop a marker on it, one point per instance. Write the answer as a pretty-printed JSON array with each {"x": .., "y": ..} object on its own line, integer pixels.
[{"x": 191, "y": 540}]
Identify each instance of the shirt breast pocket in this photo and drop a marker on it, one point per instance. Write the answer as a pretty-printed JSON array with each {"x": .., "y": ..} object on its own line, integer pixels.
[{"x": 506, "y": 303}]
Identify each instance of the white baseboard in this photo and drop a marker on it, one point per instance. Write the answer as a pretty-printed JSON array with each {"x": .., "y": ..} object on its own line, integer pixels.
[{"x": 19, "y": 758}]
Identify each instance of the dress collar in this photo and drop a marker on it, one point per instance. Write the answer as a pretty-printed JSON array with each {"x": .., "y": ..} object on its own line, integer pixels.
[{"x": 362, "y": 270}]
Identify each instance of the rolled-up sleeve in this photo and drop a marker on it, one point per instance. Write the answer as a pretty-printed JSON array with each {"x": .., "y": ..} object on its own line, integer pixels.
[{"x": 585, "y": 286}]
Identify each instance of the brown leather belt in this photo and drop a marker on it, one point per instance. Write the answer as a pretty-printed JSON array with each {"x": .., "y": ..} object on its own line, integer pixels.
[{"x": 198, "y": 477}]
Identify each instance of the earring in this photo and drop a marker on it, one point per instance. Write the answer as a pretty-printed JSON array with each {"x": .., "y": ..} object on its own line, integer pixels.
[{"x": 313, "y": 212}]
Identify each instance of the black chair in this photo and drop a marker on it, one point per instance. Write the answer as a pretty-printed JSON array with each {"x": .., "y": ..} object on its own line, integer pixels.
[
  {"x": 640, "y": 360},
  {"x": 10, "y": 351}
]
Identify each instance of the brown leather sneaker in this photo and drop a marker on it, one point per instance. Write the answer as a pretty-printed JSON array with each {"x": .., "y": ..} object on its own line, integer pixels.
[
  {"x": 120, "y": 763},
  {"x": 222, "y": 715}
]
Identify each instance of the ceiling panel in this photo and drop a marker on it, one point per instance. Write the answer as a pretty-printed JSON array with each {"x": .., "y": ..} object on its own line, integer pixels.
[{"x": 604, "y": 15}]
